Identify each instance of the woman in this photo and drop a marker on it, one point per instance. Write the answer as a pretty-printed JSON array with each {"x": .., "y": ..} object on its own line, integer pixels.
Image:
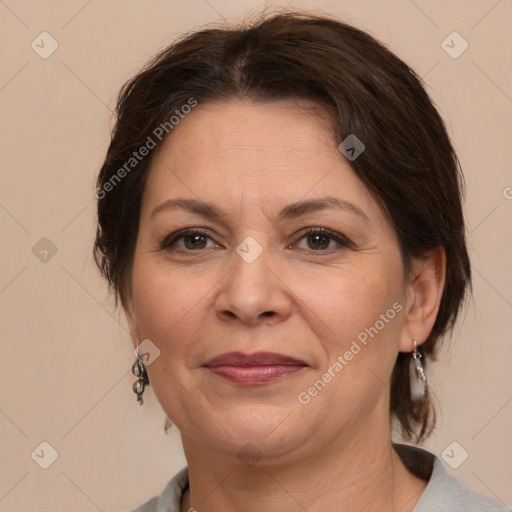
[{"x": 279, "y": 213}]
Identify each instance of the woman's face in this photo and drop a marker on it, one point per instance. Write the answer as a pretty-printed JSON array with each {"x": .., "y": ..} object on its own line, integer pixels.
[{"x": 254, "y": 280}]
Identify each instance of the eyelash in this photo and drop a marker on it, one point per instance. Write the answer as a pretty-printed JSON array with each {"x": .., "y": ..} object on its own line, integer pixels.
[{"x": 170, "y": 240}]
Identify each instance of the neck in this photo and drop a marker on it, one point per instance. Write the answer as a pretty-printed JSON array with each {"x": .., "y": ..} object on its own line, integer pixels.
[{"x": 353, "y": 471}]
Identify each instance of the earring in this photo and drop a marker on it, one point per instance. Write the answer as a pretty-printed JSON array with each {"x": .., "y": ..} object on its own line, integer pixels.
[
  {"x": 139, "y": 370},
  {"x": 418, "y": 378}
]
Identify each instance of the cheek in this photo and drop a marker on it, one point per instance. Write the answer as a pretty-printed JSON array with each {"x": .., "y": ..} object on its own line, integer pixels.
[
  {"x": 166, "y": 302},
  {"x": 358, "y": 313}
]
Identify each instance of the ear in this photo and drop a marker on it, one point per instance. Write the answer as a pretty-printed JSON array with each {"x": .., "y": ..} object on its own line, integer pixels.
[
  {"x": 131, "y": 317},
  {"x": 423, "y": 291}
]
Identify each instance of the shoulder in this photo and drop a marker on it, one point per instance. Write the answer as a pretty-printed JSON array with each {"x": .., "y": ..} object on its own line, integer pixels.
[
  {"x": 169, "y": 499},
  {"x": 444, "y": 492}
]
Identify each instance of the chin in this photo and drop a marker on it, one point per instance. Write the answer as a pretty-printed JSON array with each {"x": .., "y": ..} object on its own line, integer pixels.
[{"x": 259, "y": 432}]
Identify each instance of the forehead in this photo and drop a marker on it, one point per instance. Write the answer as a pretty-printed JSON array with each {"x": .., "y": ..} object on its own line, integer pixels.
[{"x": 253, "y": 153}]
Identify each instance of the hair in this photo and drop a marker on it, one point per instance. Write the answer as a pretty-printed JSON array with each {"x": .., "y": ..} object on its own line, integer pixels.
[{"x": 408, "y": 165}]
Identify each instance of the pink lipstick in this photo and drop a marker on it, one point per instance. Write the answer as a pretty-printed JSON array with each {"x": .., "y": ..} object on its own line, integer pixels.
[{"x": 257, "y": 368}]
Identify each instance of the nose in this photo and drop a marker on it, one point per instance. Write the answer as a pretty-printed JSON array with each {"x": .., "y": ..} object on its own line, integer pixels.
[{"x": 253, "y": 292}]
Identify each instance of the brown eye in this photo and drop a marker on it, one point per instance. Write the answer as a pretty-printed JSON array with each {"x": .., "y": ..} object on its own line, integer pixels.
[
  {"x": 321, "y": 239},
  {"x": 318, "y": 241},
  {"x": 193, "y": 239}
]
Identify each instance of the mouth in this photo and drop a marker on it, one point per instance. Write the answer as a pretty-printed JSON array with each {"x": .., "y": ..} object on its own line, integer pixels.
[{"x": 252, "y": 369}]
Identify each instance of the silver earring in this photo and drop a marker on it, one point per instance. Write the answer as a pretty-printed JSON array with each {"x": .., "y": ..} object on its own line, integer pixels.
[
  {"x": 139, "y": 370},
  {"x": 418, "y": 378}
]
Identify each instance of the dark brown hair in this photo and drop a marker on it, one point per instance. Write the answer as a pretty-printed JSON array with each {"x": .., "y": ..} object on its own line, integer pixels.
[{"x": 408, "y": 164}]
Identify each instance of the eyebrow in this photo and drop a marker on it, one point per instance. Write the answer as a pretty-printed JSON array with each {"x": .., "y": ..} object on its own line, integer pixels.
[{"x": 288, "y": 212}]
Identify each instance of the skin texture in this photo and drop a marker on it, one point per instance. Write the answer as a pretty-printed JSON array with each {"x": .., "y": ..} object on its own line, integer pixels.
[{"x": 305, "y": 297}]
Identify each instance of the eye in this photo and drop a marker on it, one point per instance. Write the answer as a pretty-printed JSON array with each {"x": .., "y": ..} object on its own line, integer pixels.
[
  {"x": 193, "y": 239},
  {"x": 188, "y": 240},
  {"x": 319, "y": 239}
]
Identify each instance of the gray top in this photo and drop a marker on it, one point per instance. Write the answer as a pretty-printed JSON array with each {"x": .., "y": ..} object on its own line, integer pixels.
[{"x": 443, "y": 491}]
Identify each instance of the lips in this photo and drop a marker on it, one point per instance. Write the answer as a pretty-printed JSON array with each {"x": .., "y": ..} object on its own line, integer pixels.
[
  {"x": 256, "y": 359},
  {"x": 254, "y": 369}
]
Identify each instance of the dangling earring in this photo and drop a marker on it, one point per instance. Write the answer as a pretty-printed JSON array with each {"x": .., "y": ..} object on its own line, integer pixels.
[
  {"x": 139, "y": 370},
  {"x": 418, "y": 378}
]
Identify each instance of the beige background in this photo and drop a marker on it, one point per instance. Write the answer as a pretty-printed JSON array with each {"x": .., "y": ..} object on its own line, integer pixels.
[{"x": 66, "y": 356}]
